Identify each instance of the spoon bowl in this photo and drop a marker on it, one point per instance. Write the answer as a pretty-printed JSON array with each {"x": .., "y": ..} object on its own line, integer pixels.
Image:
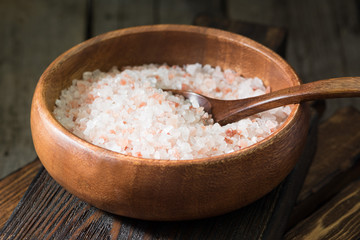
[{"x": 229, "y": 111}]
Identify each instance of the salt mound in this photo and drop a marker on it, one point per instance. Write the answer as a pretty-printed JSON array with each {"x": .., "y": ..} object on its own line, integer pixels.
[{"x": 128, "y": 112}]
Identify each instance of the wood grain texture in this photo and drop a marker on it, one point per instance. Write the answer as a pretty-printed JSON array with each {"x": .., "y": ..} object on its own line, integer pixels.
[
  {"x": 32, "y": 35},
  {"x": 338, "y": 150},
  {"x": 327, "y": 51},
  {"x": 337, "y": 220},
  {"x": 271, "y": 36},
  {"x": 336, "y": 163},
  {"x": 208, "y": 186},
  {"x": 117, "y": 14},
  {"x": 184, "y": 11},
  {"x": 13, "y": 187},
  {"x": 270, "y": 12},
  {"x": 229, "y": 111},
  {"x": 47, "y": 211},
  {"x": 323, "y": 37},
  {"x": 121, "y": 14},
  {"x": 319, "y": 31}
]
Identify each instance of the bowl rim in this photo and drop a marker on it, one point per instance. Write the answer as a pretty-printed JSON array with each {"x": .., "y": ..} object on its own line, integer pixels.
[{"x": 40, "y": 103}]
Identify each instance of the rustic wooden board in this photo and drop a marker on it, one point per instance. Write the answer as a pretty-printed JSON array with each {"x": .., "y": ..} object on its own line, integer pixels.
[
  {"x": 49, "y": 211},
  {"x": 183, "y": 12},
  {"x": 13, "y": 187},
  {"x": 323, "y": 39},
  {"x": 64, "y": 215},
  {"x": 33, "y": 33},
  {"x": 116, "y": 14},
  {"x": 336, "y": 163},
  {"x": 270, "y": 36},
  {"x": 269, "y": 12},
  {"x": 338, "y": 219},
  {"x": 322, "y": 52}
]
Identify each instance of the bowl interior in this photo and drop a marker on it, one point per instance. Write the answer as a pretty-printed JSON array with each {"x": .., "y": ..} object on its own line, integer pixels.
[
  {"x": 174, "y": 45},
  {"x": 160, "y": 189}
]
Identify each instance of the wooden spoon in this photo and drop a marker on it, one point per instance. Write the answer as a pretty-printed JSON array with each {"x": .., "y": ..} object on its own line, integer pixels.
[{"x": 228, "y": 111}]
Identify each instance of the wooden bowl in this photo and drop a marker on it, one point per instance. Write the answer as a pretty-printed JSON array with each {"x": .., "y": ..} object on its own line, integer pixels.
[{"x": 165, "y": 189}]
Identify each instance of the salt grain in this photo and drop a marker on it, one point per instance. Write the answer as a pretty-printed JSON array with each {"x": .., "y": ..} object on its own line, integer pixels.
[{"x": 126, "y": 111}]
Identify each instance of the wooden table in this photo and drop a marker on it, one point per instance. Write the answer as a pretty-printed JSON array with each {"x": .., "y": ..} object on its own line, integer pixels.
[
  {"x": 318, "y": 200},
  {"x": 327, "y": 207}
]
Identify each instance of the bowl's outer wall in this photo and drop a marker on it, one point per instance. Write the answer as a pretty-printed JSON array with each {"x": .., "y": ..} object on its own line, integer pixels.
[{"x": 162, "y": 189}]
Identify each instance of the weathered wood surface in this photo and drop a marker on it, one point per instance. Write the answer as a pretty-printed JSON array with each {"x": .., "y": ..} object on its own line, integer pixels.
[
  {"x": 317, "y": 30},
  {"x": 116, "y": 14},
  {"x": 13, "y": 187},
  {"x": 342, "y": 217},
  {"x": 276, "y": 205},
  {"x": 271, "y": 36},
  {"x": 339, "y": 219},
  {"x": 324, "y": 210},
  {"x": 49, "y": 211},
  {"x": 336, "y": 163},
  {"x": 324, "y": 41},
  {"x": 33, "y": 33}
]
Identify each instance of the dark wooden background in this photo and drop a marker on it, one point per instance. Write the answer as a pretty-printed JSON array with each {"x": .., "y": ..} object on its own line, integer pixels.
[{"x": 323, "y": 42}]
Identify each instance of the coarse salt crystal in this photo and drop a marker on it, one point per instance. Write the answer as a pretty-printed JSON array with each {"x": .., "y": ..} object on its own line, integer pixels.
[{"x": 127, "y": 112}]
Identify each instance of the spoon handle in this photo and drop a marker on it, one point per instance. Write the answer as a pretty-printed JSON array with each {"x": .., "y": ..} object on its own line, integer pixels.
[{"x": 323, "y": 89}]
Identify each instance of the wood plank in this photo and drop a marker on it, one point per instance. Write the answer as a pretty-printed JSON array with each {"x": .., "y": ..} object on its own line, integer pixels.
[
  {"x": 269, "y": 12},
  {"x": 120, "y": 14},
  {"x": 13, "y": 187},
  {"x": 278, "y": 222},
  {"x": 116, "y": 14},
  {"x": 184, "y": 12},
  {"x": 32, "y": 35},
  {"x": 51, "y": 200},
  {"x": 323, "y": 39},
  {"x": 347, "y": 15},
  {"x": 49, "y": 211},
  {"x": 338, "y": 219},
  {"x": 339, "y": 149},
  {"x": 271, "y": 36},
  {"x": 348, "y": 22},
  {"x": 324, "y": 45},
  {"x": 336, "y": 163}
]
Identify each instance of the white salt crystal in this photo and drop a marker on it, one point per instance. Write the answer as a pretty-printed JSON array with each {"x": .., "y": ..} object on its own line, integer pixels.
[{"x": 126, "y": 112}]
